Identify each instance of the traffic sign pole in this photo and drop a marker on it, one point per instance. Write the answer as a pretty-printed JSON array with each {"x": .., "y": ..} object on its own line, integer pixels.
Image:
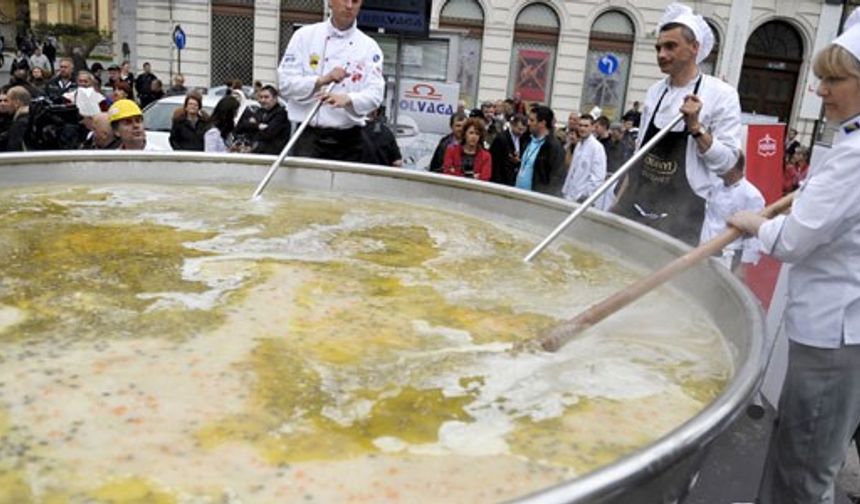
[{"x": 179, "y": 40}]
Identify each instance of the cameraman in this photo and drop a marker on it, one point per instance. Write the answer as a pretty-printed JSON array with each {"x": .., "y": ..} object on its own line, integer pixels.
[{"x": 19, "y": 101}]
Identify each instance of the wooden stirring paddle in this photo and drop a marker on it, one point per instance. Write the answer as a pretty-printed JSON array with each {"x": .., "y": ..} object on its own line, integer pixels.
[{"x": 563, "y": 333}]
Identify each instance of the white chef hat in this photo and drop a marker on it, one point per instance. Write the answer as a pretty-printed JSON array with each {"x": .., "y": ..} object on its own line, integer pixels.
[
  {"x": 681, "y": 14},
  {"x": 850, "y": 38}
]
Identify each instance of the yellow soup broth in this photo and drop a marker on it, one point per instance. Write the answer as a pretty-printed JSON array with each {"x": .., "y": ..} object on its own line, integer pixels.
[{"x": 184, "y": 344}]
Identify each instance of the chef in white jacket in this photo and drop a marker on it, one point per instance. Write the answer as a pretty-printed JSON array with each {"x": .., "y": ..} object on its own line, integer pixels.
[
  {"x": 819, "y": 407},
  {"x": 733, "y": 195},
  {"x": 588, "y": 167},
  {"x": 666, "y": 190},
  {"x": 332, "y": 51}
]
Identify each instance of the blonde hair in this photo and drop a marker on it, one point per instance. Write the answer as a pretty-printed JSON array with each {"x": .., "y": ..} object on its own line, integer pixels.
[
  {"x": 836, "y": 61},
  {"x": 19, "y": 94}
]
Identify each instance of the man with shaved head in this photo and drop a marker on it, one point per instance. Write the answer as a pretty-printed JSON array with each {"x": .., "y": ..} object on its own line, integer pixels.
[{"x": 102, "y": 136}]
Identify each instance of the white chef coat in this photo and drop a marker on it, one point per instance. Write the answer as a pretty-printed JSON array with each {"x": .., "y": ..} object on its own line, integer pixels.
[
  {"x": 587, "y": 169},
  {"x": 151, "y": 147},
  {"x": 821, "y": 238},
  {"x": 212, "y": 141},
  {"x": 720, "y": 115},
  {"x": 722, "y": 202},
  {"x": 316, "y": 49}
]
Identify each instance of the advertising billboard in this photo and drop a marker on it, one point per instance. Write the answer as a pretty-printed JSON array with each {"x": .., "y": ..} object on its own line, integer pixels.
[{"x": 407, "y": 17}]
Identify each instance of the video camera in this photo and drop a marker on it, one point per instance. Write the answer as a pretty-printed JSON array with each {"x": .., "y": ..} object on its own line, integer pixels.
[{"x": 53, "y": 125}]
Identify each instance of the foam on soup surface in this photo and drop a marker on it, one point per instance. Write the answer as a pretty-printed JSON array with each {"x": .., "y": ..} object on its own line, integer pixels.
[{"x": 178, "y": 344}]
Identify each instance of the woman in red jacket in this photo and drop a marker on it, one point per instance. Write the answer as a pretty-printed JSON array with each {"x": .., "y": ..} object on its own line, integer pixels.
[{"x": 469, "y": 159}]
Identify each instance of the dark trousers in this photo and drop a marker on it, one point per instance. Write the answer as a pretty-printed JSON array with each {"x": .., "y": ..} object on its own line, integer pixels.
[{"x": 330, "y": 143}]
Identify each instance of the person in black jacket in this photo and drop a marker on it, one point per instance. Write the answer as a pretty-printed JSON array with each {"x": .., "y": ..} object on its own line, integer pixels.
[
  {"x": 380, "y": 142},
  {"x": 268, "y": 128},
  {"x": 189, "y": 124},
  {"x": 505, "y": 151},
  {"x": 6, "y": 112},
  {"x": 548, "y": 169},
  {"x": 19, "y": 100},
  {"x": 62, "y": 82},
  {"x": 143, "y": 85},
  {"x": 20, "y": 61}
]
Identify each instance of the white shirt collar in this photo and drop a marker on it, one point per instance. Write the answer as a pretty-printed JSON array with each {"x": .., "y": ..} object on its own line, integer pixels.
[
  {"x": 851, "y": 125},
  {"x": 334, "y": 32},
  {"x": 688, "y": 85}
]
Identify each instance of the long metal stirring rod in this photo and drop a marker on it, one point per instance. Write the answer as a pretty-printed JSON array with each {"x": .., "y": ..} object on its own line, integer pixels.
[
  {"x": 610, "y": 182},
  {"x": 293, "y": 140}
]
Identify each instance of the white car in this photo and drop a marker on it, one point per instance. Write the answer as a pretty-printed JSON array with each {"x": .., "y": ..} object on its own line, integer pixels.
[
  {"x": 158, "y": 117},
  {"x": 222, "y": 90}
]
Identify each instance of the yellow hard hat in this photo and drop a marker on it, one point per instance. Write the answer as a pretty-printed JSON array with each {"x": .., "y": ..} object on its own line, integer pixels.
[{"x": 122, "y": 109}]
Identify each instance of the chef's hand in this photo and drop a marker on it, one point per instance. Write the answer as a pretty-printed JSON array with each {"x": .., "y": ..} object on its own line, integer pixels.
[
  {"x": 746, "y": 221},
  {"x": 337, "y": 74},
  {"x": 691, "y": 108},
  {"x": 336, "y": 100}
]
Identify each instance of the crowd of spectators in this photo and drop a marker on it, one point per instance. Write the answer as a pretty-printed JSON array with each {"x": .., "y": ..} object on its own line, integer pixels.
[
  {"x": 52, "y": 104},
  {"x": 499, "y": 143},
  {"x": 502, "y": 142}
]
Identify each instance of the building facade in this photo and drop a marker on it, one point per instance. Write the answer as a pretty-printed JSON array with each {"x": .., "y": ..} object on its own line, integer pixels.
[
  {"x": 95, "y": 13},
  {"x": 573, "y": 55}
]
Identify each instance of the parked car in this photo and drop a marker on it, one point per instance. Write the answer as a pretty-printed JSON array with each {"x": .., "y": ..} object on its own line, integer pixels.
[
  {"x": 222, "y": 90},
  {"x": 158, "y": 116}
]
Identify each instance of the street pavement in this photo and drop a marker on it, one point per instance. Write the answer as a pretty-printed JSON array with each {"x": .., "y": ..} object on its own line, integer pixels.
[{"x": 732, "y": 468}]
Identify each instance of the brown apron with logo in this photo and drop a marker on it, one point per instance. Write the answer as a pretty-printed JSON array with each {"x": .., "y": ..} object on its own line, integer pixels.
[{"x": 658, "y": 193}]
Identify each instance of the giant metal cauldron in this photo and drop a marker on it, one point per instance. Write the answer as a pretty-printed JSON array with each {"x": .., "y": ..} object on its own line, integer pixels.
[{"x": 660, "y": 472}]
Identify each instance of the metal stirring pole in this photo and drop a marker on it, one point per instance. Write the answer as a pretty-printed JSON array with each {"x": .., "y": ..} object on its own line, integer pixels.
[
  {"x": 289, "y": 145},
  {"x": 610, "y": 182}
]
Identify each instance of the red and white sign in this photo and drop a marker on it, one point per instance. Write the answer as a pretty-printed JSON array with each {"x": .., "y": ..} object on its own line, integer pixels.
[
  {"x": 765, "y": 150},
  {"x": 430, "y": 104},
  {"x": 767, "y": 146},
  {"x": 532, "y": 74}
]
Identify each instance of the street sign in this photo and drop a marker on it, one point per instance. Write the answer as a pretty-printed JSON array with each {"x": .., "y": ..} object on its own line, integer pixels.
[
  {"x": 179, "y": 37},
  {"x": 608, "y": 64}
]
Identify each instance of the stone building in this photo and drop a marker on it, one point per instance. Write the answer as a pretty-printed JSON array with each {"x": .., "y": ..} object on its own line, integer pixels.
[{"x": 573, "y": 55}]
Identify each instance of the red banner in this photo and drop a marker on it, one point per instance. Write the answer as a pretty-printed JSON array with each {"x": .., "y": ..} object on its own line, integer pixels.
[
  {"x": 532, "y": 74},
  {"x": 765, "y": 151}
]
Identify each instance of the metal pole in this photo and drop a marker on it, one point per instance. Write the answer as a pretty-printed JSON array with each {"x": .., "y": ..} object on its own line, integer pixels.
[
  {"x": 289, "y": 145},
  {"x": 398, "y": 74},
  {"x": 603, "y": 188}
]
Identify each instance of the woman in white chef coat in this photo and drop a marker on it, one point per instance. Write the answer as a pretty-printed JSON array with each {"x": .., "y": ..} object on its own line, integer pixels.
[{"x": 819, "y": 408}]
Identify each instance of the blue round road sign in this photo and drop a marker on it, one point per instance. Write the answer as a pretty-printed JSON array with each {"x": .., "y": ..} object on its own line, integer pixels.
[
  {"x": 608, "y": 64},
  {"x": 179, "y": 37}
]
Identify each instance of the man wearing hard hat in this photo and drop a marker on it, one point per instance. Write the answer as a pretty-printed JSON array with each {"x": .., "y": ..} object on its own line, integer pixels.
[{"x": 126, "y": 119}]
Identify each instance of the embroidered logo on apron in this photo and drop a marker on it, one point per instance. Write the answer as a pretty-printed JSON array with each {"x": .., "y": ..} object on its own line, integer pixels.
[{"x": 657, "y": 169}]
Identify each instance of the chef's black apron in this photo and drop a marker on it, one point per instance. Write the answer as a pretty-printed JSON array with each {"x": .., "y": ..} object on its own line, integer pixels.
[{"x": 658, "y": 193}]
